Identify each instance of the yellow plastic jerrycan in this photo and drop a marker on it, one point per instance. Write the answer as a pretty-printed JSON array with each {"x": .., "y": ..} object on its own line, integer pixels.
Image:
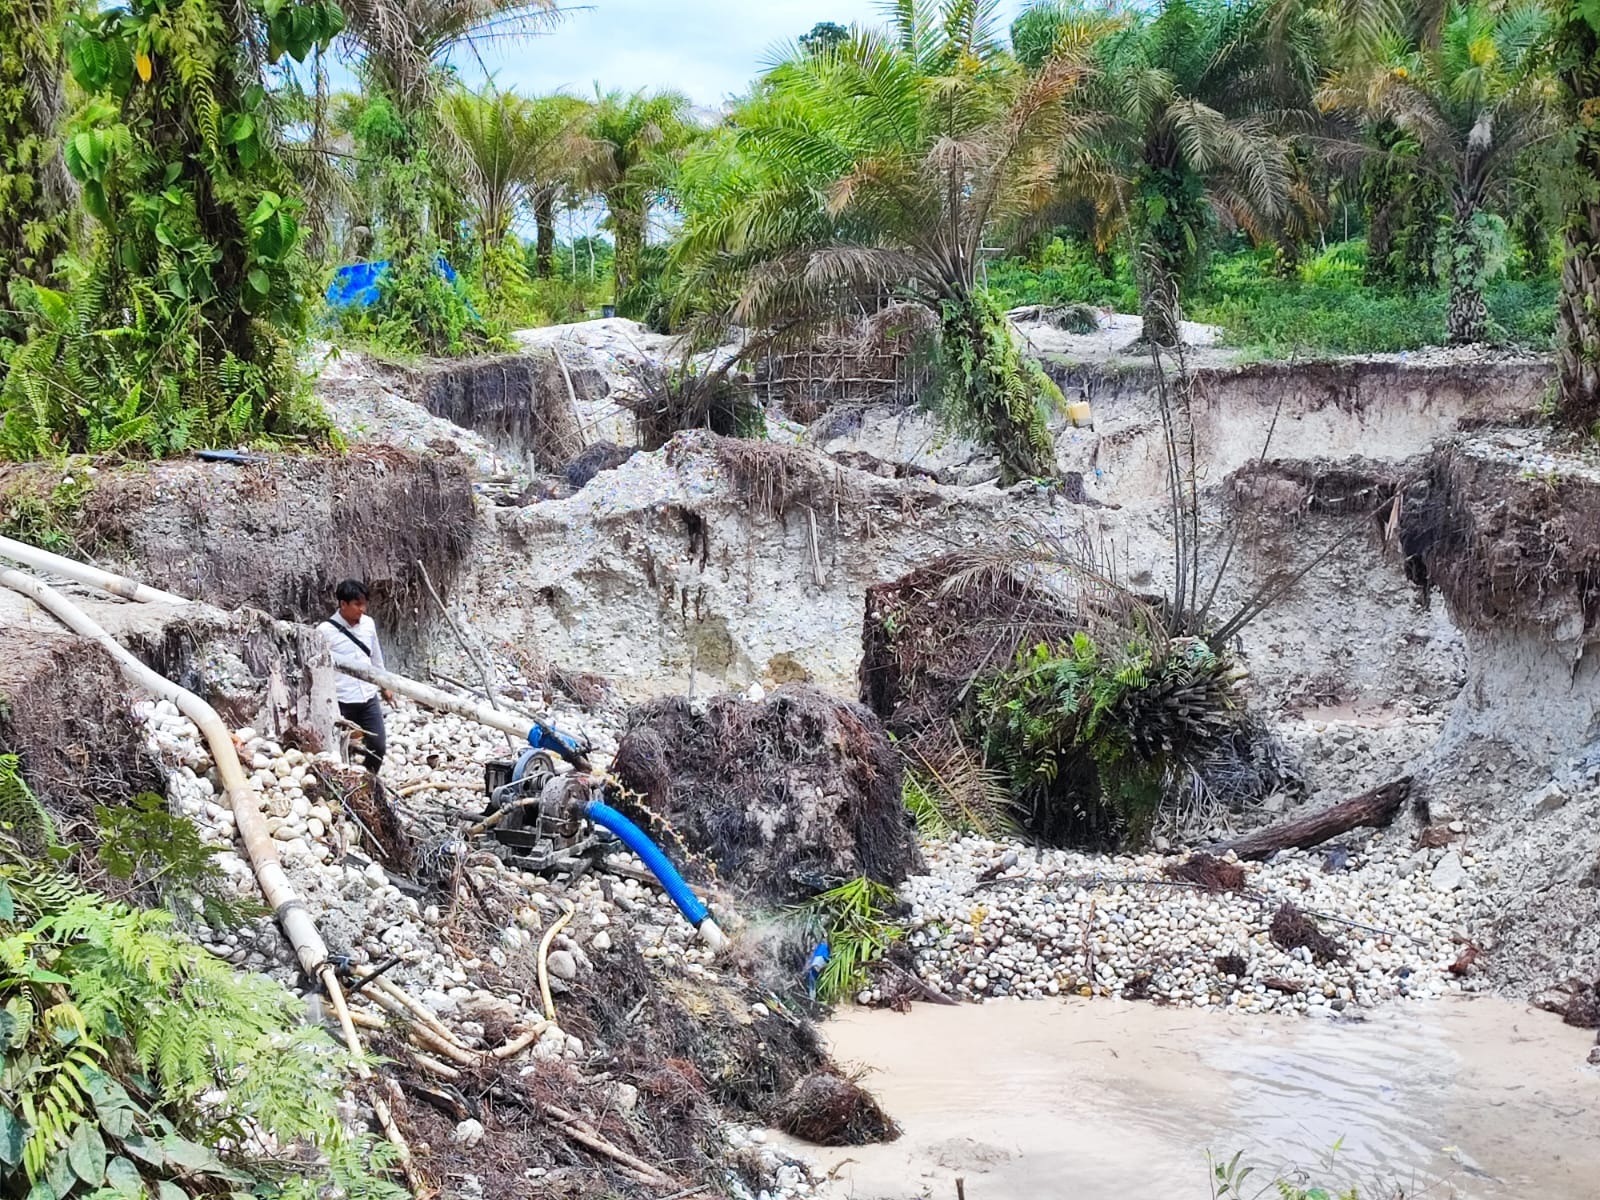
[{"x": 1080, "y": 414}]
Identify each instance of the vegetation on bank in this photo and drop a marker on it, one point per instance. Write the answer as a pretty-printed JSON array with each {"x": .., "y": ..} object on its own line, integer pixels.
[
  {"x": 133, "y": 1062},
  {"x": 180, "y": 185}
]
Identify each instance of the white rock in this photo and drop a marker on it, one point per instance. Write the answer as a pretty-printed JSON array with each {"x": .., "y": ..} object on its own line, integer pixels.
[
  {"x": 563, "y": 965},
  {"x": 469, "y": 1133},
  {"x": 1449, "y": 875}
]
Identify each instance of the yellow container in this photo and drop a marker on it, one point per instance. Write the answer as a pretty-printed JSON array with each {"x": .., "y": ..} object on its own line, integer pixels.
[{"x": 1080, "y": 414}]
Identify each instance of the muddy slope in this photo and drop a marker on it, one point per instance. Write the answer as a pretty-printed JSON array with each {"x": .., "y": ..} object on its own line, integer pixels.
[{"x": 280, "y": 534}]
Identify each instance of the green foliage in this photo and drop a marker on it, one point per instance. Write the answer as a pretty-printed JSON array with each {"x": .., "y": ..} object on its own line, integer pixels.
[
  {"x": 1325, "y": 305},
  {"x": 635, "y": 142},
  {"x": 132, "y": 1058},
  {"x": 853, "y": 919},
  {"x": 919, "y": 795},
  {"x": 143, "y": 844},
  {"x": 1066, "y": 271},
  {"x": 44, "y": 517},
  {"x": 988, "y": 389},
  {"x": 34, "y": 214},
  {"x": 1231, "y": 1181},
  {"x": 183, "y": 320},
  {"x": 1091, "y": 734}
]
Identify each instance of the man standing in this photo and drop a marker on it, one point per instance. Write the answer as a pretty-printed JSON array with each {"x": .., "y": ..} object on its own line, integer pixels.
[{"x": 352, "y": 637}]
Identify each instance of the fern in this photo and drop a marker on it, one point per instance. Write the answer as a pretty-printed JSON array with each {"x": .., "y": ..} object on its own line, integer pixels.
[
  {"x": 118, "y": 1038},
  {"x": 21, "y": 814}
]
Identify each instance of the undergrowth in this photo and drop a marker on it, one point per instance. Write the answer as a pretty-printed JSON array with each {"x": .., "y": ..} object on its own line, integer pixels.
[
  {"x": 854, "y": 920},
  {"x": 1092, "y": 735},
  {"x": 136, "y": 1064},
  {"x": 45, "y": 517},
  {"x": 1270, "y": 309}
]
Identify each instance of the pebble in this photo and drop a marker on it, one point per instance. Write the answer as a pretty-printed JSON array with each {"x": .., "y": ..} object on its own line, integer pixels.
[{"x": 1065, "y": 923}]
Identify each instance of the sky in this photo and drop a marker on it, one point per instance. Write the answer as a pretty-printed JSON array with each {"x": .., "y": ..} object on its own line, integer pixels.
[{"x": 709, "y": 49}]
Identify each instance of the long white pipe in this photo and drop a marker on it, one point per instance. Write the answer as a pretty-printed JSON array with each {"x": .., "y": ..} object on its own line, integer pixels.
[
  {"x": 245, "y": 801},
  {"x": 432, "y": 697},
  {"x": 422, "y": 693},
  {"x": 67, "y": 568}
]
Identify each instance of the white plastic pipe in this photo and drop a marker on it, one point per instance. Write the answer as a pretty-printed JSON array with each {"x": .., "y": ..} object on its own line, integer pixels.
[
  {"x": 432, "y": 697},
  {"x": 244, "y": 800},
  {"x": 67, "y": 568}
]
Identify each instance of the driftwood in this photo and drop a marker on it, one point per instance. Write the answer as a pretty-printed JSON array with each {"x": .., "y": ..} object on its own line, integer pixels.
[{"x": 1373, "y": 808}]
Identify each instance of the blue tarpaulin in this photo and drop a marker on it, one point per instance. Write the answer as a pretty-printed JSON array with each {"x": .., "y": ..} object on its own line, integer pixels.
[{"x": 356, "y": 286}]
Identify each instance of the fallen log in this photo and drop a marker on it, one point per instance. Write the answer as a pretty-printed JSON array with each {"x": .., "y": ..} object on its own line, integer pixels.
[{"x": 1374, "y": 808}]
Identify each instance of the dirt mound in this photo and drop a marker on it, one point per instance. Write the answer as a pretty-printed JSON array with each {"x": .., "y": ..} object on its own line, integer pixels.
[
  {"x": 785, "y": 796},
  {"x": 280, "y": 534},
  {"x": 66, "y": 710},
  {"x": 830, "y": 1110},
  {"x": 520, "y": 402},
  {"x": 1504, "y": 544}
]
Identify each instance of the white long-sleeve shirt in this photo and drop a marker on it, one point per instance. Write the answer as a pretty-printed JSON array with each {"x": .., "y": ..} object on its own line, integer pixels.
[{"x": 350, "y": 689}]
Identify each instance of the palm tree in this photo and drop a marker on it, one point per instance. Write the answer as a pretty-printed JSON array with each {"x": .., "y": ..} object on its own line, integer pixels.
[
  {"x": 1196, "y": 107},
  {"x": 557, "y": 123},
  {"x": 403, "y": 44},
  {"x": 1578, "y": 310},
  {"x": 876, "y": 168},
  {"x": 633, "y": 139},
  {"x": 1473, "y": 103}
]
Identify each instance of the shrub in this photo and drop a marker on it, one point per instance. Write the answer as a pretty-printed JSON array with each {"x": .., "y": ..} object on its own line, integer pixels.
[
  {"x": 1093, "y": 737},
  {"x": 132, "y": 1062}
]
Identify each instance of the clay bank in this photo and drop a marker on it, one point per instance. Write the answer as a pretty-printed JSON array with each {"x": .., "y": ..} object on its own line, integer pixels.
[{"x": 833, "y": 673}]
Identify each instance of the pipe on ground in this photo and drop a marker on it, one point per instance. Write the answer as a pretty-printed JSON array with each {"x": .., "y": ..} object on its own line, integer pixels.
[
  {"x": 303, "y": 935},
  {"x": 693, "y": 909},
  {"x": 244, "y": 800},
  {"x": 67, "y": 568}
]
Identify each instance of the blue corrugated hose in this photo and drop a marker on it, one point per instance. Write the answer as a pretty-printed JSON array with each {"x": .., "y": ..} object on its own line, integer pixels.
[{"x": 660, "y": 865}]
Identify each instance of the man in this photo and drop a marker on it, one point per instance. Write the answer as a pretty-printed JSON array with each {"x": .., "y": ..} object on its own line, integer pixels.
[{"x": 352, "y": 637}]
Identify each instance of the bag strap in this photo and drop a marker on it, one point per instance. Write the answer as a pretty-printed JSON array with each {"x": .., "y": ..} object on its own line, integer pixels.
[{"x": 345, "y": 629}]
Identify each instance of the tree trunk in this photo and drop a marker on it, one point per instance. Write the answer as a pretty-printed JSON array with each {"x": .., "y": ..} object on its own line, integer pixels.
[
  {"x": 544, "y": 217},
  {"x": 1578, "y": 321},
  {"x": 1378, "y": 807},
  {"x": 1578, "y": 308},
  {"x": 628, "y": 231},
  {"x": 1468, "y": 314},
  {"x": 990, "y": 388}
]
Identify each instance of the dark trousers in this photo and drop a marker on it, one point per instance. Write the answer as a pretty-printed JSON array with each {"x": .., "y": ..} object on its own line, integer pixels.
[{"x": 368, "y": 715}]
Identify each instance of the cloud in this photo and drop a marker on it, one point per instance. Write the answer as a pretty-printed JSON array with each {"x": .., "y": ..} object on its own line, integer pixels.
[{"x": 710, "y": 49}]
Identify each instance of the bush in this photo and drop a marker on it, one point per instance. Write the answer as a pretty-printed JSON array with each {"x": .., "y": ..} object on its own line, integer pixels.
[
  {"x": 1095, "y": 737},
  {"x": 1065, "y": 272},
  {"x": 1323, "y": 306},
  {"x": 132, "y": 1062}
]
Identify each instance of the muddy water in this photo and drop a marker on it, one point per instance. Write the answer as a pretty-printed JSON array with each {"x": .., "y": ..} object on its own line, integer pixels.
[{"x": 1479, "y": 1098}]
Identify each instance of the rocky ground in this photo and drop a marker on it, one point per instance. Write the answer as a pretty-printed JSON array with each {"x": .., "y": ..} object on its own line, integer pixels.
[
  {"x": 467, "y": 954},
  {"x": 1053, "y": 922}
]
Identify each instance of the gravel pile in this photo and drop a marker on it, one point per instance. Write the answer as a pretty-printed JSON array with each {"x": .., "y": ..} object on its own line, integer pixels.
[
  {"x": 993, "y": 919},
  {"x": 479, "y": 982}
]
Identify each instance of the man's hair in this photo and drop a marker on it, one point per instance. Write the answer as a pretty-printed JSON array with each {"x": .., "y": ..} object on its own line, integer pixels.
[{"x": 350, "y": 590}]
